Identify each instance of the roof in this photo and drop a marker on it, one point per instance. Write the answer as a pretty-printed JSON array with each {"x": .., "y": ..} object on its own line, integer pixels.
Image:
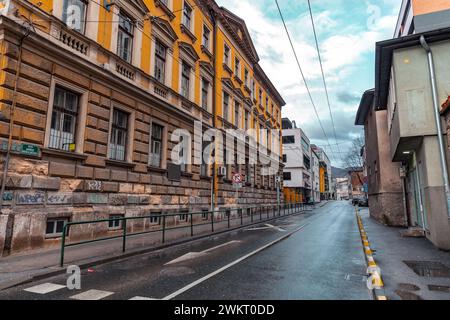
[
  {"x": 364, "y": 107},
  {"x": 383, "y": 60}
]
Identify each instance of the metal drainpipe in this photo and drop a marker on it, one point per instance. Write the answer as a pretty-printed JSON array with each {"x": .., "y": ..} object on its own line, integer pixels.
[
  {"x": 214, "y": 167},
  {"x": 437, "y": 115}
]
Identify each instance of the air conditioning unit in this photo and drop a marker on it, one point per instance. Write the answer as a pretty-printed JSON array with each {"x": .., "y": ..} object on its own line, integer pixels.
[{"x": 222, "y": 171}]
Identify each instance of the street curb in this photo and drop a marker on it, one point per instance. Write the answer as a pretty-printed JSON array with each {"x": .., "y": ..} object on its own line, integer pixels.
[
  {"x": 372, "y": 268},
  {"x": 59, "y": 270}
]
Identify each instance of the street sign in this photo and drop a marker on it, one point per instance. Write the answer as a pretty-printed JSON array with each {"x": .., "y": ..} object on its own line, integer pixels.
[
  {"x": 237, "y": 180},
  {"x": 29, "y": 150}
]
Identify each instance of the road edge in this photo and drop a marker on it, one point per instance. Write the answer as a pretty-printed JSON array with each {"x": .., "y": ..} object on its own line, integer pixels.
[{"x": 373, "y": 270}]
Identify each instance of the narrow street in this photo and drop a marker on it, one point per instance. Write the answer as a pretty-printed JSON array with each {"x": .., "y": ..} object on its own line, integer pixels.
[{"x": 321, "y": 259}]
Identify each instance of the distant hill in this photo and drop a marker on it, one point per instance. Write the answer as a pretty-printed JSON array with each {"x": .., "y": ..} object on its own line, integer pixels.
[{"x": 338, "y": 172}]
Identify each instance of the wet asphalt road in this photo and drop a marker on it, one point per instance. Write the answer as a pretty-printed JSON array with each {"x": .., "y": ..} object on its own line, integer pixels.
[{"x": 322, "y": 259}]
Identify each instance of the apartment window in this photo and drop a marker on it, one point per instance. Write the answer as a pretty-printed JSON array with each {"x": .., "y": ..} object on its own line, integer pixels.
[
  {"x": 206, "y": 36},
  {"x": 64, "y": 118},
  {"x": 160, "y": 61},
  {"x": 184, "y": 216},
  {"x": 288, "y": 139},
  {"x": 205, "y": 93},
  {"x": 246, "y": 120},
  {"x": 156, "y": 145},
  {"x": 155, "y": 218},
  {"x": 119, "y": 133},
  {"x": 74, "y": 14},
  {"x": 237, "y": 108},
  {"x": 185, "y": 79},
  {"x": 260, "y": 96},
  {"x": 267, "y": 104},
  {"x": 115, "y": 221},
  {"x": 287, "y": 176},
  {"x": 253, "y": 89},
  {"x": 226, "y": 105},
  {"x": 246, "y": 78},
  {"x": 284, "y": 158},
  {"x": 226, "y": 55},
  {"x": 55, "y": 227},
  {"x": 125, "y": 37},
  {"x": 237, "y": 67},
  {"x": 187, "y": 15},
  {"x": 305, "y": 145}
]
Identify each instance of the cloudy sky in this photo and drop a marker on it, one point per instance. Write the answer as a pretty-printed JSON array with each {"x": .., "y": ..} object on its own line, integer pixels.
[{"x": 347, "y": 32}]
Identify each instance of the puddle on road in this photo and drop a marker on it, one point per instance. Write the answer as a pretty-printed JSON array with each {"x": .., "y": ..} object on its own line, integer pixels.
[{"x": 430, "y": 269}]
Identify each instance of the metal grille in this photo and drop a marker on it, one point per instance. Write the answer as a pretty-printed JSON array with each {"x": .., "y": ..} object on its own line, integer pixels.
[{"x": 64, "y": 117}]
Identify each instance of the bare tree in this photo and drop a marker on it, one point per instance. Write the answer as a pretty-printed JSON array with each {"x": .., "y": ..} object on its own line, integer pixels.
[{"x": 354, "y": 160}]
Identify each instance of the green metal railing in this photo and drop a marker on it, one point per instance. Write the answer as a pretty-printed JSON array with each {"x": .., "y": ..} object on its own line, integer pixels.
[{"x": 263, "y": 212}]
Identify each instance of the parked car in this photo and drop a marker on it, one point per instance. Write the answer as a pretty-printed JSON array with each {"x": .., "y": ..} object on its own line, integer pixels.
[{"x": 361, "y": 201}]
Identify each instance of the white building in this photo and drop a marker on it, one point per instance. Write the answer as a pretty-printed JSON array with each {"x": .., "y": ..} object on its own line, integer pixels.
[
  {"x": 342, "y": 188},
  {"x": 297, "y": 175},
  {"x": 315, "y": 165}
]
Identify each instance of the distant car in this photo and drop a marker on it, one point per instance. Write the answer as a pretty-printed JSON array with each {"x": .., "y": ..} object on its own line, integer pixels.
[
  {"x": 356, "y": 200},
  {"x": 364, "y": 202}
]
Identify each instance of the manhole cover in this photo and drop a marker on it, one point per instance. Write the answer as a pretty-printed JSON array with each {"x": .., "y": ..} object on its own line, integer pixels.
[
  {"x": 432, "y": 269},
  {"x": 433, "y": 287},
  {"x": 408, "y": 287},
  {"x": 406, "y": 295}
]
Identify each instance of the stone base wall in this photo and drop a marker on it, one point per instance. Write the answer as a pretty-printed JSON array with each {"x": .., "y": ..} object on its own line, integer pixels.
[{"x": 388, "y": 209}]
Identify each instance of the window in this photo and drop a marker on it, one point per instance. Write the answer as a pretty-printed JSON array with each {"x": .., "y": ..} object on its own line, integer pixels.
[
  {"x": 125, "y": 37},
  {"x": 119, "y": 133},
  {"x": 226, "y": 105},
  {"x": 248, "y": 172},
  {"x": 205, "y": 93},
  {"x": 156, "y": 145},
  {"x": 260, "y": 96},
  {"x": 267, "y": 104},
  {"x": 185, "y": 79},
  {"x": 305, "y": 145},
  {"x": 253, "y": 89},
  {"x": 115, "y": 221},
  {"x": 64, "y": 118},
  {"x": 184, "y": 216},
  {"x": 55, "y": 227},
  {"x": 206, "y": 36},
  {"x": 246, "y": 78},
  {"x": 155, "y": 218},
  {"x": 160, "y": 61},
  {"x": 74, "y": 14},
  {"x": 237, "y": 108},
  {"x": 187, "y": 15},
  {"x": 237, "y": 68},
  {"x": 287, "y": 176},
  {"x": 246, "y": 120},
  {"x": 226, "y": 55},
  {"x": 284, "y": 158},
  {"x": 288, "y": 140}
]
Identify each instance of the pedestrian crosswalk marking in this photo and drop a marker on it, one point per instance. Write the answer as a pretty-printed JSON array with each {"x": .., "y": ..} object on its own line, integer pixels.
[
  {"x": 44, "y": 288},
  {"x": 92, "y": 295},
  {"x": 142, "y": 298}
]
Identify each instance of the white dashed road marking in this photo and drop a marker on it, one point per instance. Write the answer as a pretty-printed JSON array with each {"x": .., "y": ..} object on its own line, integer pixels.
[
  {"x": 45, "y": 288},
  {"x": 92, "y": 295},
  {"x": 142, "y": 298}
]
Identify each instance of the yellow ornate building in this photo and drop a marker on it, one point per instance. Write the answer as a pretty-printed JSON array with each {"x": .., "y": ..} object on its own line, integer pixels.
[{"x": 94, "y": 89}]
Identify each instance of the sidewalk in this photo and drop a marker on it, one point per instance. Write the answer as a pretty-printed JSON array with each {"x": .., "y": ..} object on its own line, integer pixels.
[
  {"x": 401, "y": 282},
  {"x": 30, "y": 266}
]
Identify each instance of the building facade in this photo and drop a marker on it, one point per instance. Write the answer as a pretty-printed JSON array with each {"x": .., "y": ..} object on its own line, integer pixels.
[
  {"x": 385, "y": 187},
  {"x": 418, "y": 16},
  {"x": 325, "y": 176},
  {"x": 95, "y": 107},
  {"x": 315, "y": 171},
  {"x": 342, "y": 189},
  {"x": 297, "y": 173}
]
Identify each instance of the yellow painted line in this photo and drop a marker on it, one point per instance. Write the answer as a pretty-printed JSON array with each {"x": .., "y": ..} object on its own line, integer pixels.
[{"x": 382, "y": 298}]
